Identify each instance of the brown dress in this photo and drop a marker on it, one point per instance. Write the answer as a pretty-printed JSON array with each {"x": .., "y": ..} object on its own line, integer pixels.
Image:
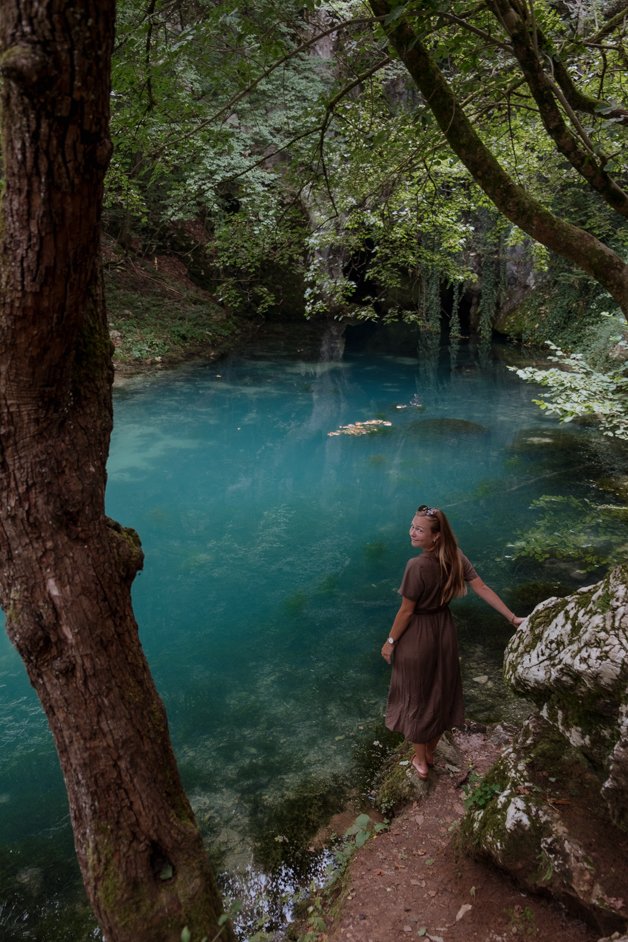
[{"x": 425, "y": 696}]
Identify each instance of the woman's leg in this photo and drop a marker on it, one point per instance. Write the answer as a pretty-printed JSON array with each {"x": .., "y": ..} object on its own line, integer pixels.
[
  {"x": 420, "y": 761},
  {"x": 430, "y": 749}
]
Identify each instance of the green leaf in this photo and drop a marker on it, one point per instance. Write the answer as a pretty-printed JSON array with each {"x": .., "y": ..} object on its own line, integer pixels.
[
  {"x": 396, "y": 13},
  {"x": 361, "y": 839},
  {"x": 186, "y": 935}
]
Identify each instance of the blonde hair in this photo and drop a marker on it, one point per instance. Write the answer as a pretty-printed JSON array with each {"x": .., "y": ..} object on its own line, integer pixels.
[{"x": 448, "y": 553}]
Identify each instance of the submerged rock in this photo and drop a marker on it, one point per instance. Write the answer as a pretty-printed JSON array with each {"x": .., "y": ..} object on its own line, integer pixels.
[
  {"x": 32, "y": 878},
  {"x": 447, "y": 428}
]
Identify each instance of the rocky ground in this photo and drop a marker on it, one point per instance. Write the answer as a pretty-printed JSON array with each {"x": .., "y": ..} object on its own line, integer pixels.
[{"x": 413, "y": 880}]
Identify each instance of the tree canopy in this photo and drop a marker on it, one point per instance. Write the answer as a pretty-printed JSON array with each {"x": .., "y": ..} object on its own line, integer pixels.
[
  {"x": 529, "y": 53},
  {"x": 295, "y": 134}
]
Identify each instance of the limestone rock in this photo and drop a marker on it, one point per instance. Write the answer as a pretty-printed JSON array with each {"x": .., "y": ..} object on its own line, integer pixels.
[
  {"x": 553, "y": 811},
  {"x": 533, "y": 815},
  {"x": 571, "y": 658}
]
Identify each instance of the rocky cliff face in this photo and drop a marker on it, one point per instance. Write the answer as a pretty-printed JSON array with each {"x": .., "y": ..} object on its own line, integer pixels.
[{"x": 555, "y": 806}]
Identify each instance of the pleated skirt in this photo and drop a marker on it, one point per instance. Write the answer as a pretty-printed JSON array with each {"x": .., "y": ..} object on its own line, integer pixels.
[{"x": 425, "y": 696}]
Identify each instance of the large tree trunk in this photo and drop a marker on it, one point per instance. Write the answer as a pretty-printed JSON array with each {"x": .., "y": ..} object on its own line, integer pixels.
[
  {"x": 576, "y": 245},
  {"x": 66, "y": 570}
]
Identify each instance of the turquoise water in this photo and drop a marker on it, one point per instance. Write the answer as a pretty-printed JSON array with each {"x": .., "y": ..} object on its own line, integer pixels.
[{"x": 273, "y": 554}]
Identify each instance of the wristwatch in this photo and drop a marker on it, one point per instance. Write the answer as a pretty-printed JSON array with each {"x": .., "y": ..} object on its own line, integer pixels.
[{"x": 390, "y": 640}]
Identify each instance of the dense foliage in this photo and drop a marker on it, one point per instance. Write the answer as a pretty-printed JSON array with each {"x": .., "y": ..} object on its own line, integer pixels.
[
  {"x": 199, "y": 163},
  {"x": 287, "y": 135},
  {"x": 577, "y": 390}
]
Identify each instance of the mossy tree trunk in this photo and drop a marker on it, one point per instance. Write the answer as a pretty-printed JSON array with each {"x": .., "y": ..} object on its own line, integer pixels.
[
  {"x": 66, "y": 569},
  {"x": 571, "y": 242}
]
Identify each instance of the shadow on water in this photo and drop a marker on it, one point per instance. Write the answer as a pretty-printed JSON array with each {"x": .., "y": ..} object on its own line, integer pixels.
[{"x": 273, "y": 553}]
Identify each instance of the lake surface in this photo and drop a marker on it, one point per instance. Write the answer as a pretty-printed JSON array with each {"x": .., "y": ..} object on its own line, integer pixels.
[{"x": 273, "y": 553}]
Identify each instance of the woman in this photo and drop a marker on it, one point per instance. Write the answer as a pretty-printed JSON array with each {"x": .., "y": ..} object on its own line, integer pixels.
[{"x": 425, "y": 696}]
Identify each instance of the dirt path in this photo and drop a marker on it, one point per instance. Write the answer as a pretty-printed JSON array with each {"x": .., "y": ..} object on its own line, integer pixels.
[{"x": 412, "y": 882}]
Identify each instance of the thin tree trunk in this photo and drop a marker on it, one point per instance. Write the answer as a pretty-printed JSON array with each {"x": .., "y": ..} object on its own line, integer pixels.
[
  {"x": 66, "y": 569},
  {"x": 576, "y": 245}
]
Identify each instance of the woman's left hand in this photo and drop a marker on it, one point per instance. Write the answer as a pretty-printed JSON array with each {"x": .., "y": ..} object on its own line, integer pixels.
[
  {"x": 387, "y": 650},
  {"x": 516, "y": 621}
]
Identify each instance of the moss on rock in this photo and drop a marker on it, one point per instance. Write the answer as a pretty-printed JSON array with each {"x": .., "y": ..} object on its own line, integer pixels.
[
  {"x": 397, "y": 784},
  {"x": 536, "y": 824}
]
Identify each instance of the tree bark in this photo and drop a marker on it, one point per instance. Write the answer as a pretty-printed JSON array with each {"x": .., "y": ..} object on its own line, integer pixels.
[
  {"x": 575, "y": 244},
  {"x": 66, "y": 569},
  {"x": 516, "y": 21}
]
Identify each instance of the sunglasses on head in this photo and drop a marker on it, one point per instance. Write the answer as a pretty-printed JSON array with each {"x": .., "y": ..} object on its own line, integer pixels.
[{"x": 428, "y": 511}]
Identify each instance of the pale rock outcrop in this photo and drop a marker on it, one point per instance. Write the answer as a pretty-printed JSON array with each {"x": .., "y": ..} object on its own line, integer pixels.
[
  {"x": 572, "y": 659},
  {"x": 553, "y": 811}
]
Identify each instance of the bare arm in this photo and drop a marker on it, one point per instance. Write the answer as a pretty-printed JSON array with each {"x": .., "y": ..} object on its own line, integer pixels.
[
  {"x": 403, "y": 616},
  {"x": 492, "y": 598}
]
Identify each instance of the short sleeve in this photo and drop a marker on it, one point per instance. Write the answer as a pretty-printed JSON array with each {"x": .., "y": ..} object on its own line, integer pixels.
[
  {"x": 412, "y": 586},
  {"x": 468, "y": 570}
]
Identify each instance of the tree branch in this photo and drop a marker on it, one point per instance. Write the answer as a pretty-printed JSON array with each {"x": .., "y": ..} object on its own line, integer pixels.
[
  {"x": 147, "y": 55},
  {"x": 577, "y": 99},
  {"x": 319, "y": 129},
  {"x": 329, "y": 110},
  {"x": 611, "y": 25},
  {"x": 584, "y": 161},
  {"x": 460, "y": 21},
  {"x": 227, "y": 110},
  {"x": 569, "y": 241},
  {"x": 273, "y": 153}
]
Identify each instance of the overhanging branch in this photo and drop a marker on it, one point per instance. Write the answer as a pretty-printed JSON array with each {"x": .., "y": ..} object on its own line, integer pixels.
[
  {"x": 575, "y": 244},
  {"x": 584, "y": 160}
]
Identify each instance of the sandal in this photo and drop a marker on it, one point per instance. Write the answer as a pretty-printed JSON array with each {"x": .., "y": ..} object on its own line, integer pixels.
[{"x": 422, "y": 775}]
